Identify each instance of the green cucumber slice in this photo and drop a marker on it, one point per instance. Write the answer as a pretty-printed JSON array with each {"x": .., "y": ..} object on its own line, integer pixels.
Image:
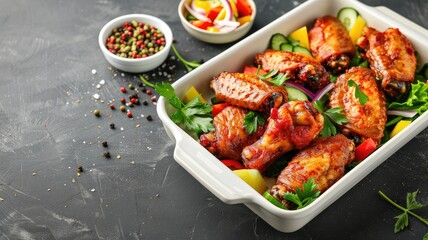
[
  {"x": 348, "y": 16},
  {"x": 295, "y": 94},
  {"x": 276, "y": 40},
  {"x": 286, "y": 47},
  {"x": 303, "y": 50}
]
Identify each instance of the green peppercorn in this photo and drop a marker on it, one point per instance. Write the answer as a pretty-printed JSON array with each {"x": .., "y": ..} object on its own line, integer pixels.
[
  {"x": 122, "y": 108},
  {"x": 97, "y": 113},
  {"x": 130, "y": 86}
]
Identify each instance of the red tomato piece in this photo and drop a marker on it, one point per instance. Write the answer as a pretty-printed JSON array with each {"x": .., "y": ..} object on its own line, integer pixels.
[
  {"x": 253, "y": 70},
  {"x": 363, "y": 150},
  {"x": 201, "y": 24},
  {"x": 232, "y": 164},
  {"x": 217, "y": 108},
  {"x": 213, "y": 13},
  {"x": 244, "y": 9}
]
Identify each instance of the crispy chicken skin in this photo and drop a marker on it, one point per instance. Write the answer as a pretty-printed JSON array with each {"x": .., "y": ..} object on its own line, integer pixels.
[
  {"x": 391, "y": 56},
  {"x": 368, "y": 120},
  {"x": 331, "y": 44},
  {"x": 230, "y": 136},
  {"x": 298, "y": 67},
  {"x": 293, "y": 126},
  {"x": 323, "y": 160},
  {"x": 248, "y": 91}
]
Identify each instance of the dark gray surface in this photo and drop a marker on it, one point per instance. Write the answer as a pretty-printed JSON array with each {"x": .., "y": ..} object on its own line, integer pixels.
[{"x": 47, "y": 51}]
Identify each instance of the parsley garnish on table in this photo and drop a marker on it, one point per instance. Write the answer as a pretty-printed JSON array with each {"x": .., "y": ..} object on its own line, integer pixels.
[
  {"x": 411, "y": 204},
  {"x": 190, "y": 65},
  {"x": 305, "y": 196},
  {"x": 331, "y": 116},
  {"x": 195, "y": 115},
  {"x": 252, "y": 120}
]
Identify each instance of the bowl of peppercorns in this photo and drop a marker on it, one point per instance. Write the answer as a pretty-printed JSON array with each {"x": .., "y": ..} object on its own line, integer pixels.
[{"x": 135, "y": 42}]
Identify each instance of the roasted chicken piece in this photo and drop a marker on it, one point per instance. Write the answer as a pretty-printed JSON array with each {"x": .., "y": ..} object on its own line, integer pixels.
[
  {"x": 298, "y": 67},
  {"x": 248, "y": 91},
  {"x": 365, "y": 121},
  {"x": 293, "y": 126},
  {"x": 331, "y": 44},
  {"x": 323, "y": 160},
  {"x": 230, "y": 136},
  {"x": 391, "y": 56}
]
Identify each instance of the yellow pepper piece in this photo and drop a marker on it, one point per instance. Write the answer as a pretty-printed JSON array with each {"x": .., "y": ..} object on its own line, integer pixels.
[
  {"x": 234, "y": 9},
  {"x": 221, "y": 14},
  {"x": 213, "y": 29},
  {"x": 244, "y": 19},
  {"x": 399, "y": 127},
  {"x": 253, "y": 178},
  {"x": 205, "y": 5},
  {"x": 301, "y": 34},
  {"x": 357, "y": 29},
  {"x": 191, "y": 94}
]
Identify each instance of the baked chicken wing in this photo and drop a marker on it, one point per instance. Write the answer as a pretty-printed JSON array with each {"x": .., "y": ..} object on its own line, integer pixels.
[
  {"x": 365, "y": 121},
  {"x": 293, "y": 126},
  {"x": 331, "y": 44},
  {"x": 248, "y": 91},
  {"x": 230, "y": 136},
  {"x": 391, "y": 56},
  {"x": 323, "y": 160},
  {"x": 298, "y": 67}
]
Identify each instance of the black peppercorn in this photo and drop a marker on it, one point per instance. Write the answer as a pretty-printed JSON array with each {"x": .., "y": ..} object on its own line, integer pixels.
[
  {"x": 80, "y": 169},
  {"x": 149, "y": 117},
  {"x": 145, "y": 102},
  {"x": 112, "y": 126},
  {"x": 104, "y": 144},
  {"x": 106, "y": 154}
]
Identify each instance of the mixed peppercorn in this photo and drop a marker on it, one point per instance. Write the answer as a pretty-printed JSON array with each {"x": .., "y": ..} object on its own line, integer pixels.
[{"x": 135, "y": 40}]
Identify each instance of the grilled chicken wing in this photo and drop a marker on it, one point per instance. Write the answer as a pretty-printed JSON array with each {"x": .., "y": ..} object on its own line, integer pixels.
[
  {"x": 391, "y": 56},
  {"x": 323, "y": 160},
  {"x": 248, "y": 91},
  {"x": 230, "y": 136},
  {"x": 298, "y": 67},
  {"x": 293, "y": 126},
  {"x": 368, "y": 120},
  {"x": 331, "y": 44}
]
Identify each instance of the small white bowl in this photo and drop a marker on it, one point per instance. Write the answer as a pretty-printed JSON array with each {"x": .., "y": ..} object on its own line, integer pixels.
[
  {"x": 140, "y": 64},
  {"x": 215, "y": 37}
]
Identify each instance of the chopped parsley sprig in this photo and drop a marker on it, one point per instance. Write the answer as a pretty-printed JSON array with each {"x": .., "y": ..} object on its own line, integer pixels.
[
  {"x": 331, "y": 116},
  {"x": 190, "y": 65},
  {"x": 195, "y": 115},
  {"x": 358, "y": 93},
  {"x": 411, "y": 204},
  {"x": 252, "y": 120},
  {"x": 273, "y": 77},
  {"x": 305, "y": 196}
]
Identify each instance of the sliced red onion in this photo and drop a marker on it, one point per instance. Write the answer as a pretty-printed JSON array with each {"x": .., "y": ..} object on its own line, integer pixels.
[
  {"x": 402, "y": 113},
  {"x": 196, "y": 14},
  {"x": 198, "y": 9},
  {"x": 226, "y": 26},
  {"x": 306, "y": 91},
  {"x": 320, "y": 93}
]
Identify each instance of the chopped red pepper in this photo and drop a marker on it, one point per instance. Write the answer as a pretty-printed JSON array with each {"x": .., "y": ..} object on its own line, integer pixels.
[
  {"x": 217, "y": 108},
  {"x": 213, "y": 13},
  {"x": 201, "y": 24},
  {"x": 244, "y": 9},
  {"x": 252, "y": 69},
  {"x": 233, "y": 164},
  {"x": 363, "y": 150}
]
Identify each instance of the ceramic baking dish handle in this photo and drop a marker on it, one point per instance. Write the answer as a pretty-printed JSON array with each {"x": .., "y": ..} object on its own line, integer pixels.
[
  {"x": 402, "y": 19},
  {"x": 211, "y": 173}
]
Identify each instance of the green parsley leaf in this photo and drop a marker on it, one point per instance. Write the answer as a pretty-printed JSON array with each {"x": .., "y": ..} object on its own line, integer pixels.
[
  {"x": 190, "y": 65},
  {"x": 305, "y": 196},
  {"x": 411, "y": 204},
  {"x": 358, "y": 93},
  {"x": 252, "y": 120},
  {"x": 331, "y": 116},
  {"x": 195, "y": 115},
  {"x": 273, "y": 77}
]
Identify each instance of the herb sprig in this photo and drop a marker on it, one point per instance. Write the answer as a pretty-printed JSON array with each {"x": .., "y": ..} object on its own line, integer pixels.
[
  {"x": 411, "y": 204},
  {"x": 331, "y": 115},
  {"x": 362, "y": 98},
  {"x": 252, "y": 120},
  {"x": 273, "y": 77},
  {"x": 190, "y": 65},
  {"x": 305, "y": 196},
  {"x": 195, "y": 115}
]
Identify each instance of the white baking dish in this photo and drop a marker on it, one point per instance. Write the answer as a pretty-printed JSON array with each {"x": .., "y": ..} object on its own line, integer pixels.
[{"x": 222, "y": 182}]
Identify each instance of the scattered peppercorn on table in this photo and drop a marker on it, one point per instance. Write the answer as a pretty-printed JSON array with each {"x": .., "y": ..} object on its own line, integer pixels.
[{"x": 83, "y": 154}]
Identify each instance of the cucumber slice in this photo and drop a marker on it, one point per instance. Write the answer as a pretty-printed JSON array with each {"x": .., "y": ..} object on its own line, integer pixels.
[
  {"x": 348, "y": 16},
  {"x": 295, "y": 94},
  {"x": 293, "y": 41},
  {"x": 276, "y": 40},
  {"x": 302, "y": 50},
  {"x": 286, "y": 47}
]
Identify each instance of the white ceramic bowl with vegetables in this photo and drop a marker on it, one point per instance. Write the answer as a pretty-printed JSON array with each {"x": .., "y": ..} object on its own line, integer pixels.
[
  {"x": 139, "y": 43},
  {"x": 217, "y": 21},
  {"x": 246, "y": 186}
]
